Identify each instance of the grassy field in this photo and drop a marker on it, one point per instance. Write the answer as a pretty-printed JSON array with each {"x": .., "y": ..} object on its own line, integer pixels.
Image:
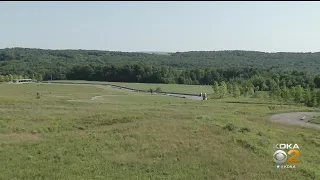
[
  {"x": 178, "y": 88},
  {"x": 62, "y": 134}
]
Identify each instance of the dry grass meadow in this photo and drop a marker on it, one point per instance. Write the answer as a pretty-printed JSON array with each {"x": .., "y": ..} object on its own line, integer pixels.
[{"x": 50, "y": 131}]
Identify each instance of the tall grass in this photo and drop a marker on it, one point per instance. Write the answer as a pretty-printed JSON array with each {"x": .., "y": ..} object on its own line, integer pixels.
[{"x": 127, "y": 135}]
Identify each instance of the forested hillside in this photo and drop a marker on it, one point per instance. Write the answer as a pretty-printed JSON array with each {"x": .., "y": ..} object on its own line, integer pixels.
[
  {"x": 24, "y": 61},
  {"x": 288, "y": 76}
]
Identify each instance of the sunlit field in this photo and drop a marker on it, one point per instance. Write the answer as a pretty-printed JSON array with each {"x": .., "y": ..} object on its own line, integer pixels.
[{"x": 51, "y": 131}]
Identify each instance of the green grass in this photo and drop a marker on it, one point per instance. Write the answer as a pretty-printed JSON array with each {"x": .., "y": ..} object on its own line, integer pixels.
[
  {"x": 178, "y": 88},
  {"x": 127, "y": 135},
  {"x": 315, "y": 120}
]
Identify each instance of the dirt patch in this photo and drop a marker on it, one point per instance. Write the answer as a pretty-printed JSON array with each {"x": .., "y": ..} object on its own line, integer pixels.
[
  {"x": 296, "y": 118},
  {"x": 19, "y": 137}
]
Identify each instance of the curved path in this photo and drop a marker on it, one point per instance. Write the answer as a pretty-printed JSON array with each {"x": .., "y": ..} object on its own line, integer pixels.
[
  {"x": 180, "y": 95},
  {"x": 294, "y": 118}
]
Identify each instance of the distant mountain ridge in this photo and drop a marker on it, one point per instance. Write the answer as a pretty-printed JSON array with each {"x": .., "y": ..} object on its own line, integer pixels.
[{"x": 154, "y": 52}]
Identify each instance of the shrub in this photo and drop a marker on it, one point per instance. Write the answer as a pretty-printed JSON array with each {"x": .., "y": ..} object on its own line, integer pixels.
[
  {"x": 244, "y": 130},
  {"x": 38, "y": 95},
  {"x": 158, "y": 89},
  {"x": 230, "y": 127}
]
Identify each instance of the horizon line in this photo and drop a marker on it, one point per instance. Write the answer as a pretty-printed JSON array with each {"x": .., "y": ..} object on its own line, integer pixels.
[{"x": 168, "y": 52}]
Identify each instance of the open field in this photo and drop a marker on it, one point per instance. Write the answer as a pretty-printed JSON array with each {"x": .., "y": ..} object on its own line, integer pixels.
[
  {"x": 63, "y": 134},
  {"x": 177, "y": 88}
]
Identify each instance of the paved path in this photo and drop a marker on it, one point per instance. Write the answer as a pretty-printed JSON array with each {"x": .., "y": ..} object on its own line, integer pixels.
[
  {"x": 186, "y": 96},
  {"x": 180, "y": 95},
  {"x": 294, "y": 118}
]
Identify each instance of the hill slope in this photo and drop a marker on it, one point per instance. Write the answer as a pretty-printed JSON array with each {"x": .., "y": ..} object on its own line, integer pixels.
[{"x": 23, "y": 60}]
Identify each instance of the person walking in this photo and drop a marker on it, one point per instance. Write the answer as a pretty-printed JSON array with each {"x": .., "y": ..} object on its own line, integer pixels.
[{"x": 204, "y": 97}]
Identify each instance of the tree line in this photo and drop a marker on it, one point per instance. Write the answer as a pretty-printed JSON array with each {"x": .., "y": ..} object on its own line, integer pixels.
[
  {"x": 261, "y": 79},
  {"x": 297, "y": 94},
  {"x": 295, "y": 86},
  {"x": 275, "y": 73},
  {"x": 289, "y": 86},
  {"x": 27, "y": 61}
]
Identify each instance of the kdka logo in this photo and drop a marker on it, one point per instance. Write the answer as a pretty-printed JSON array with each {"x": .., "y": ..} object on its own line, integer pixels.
[{"x": 280, "y": 156}]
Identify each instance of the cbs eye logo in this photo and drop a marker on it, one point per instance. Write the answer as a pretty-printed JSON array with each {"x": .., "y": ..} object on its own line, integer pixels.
[{"x": 281, "y": 156}]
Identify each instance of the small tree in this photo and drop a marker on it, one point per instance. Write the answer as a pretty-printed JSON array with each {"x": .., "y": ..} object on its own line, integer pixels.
[
  {"x": 223, "y": 89},
  {"x": 230, "y": 88},
  {"x": 215, "y": 88},
  {"x": 251, "y": 91},
  {"x": 314, "y": 100},
  {"x": 6, "y": 78},
  {"x": 285, "y": 93},
  {"x": 236, "y": 91},
  {"x": 308, "y": 97},
  {"x": 10, "y": 77},
  {"x": 39, "y": 77},
  {"x": 298, "y": 94}
]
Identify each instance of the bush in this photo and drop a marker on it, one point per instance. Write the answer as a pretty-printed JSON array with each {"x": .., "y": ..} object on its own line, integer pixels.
[
  {"x": 158, "y": 89},
  {"x": 272, "y": 107},
  {"x": 230, "y": 127},
  {"x": 260, "y": 133},
  {"x": 244, "y": 130},
  {"x": 38, "y": 95}
]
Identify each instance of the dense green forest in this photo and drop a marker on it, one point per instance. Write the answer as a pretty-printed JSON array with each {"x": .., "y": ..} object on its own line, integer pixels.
[
  {"x": 286, "y": 76},
  {"x": 261, "y": 78},
  {"x": 46, "y": 62},
  {"x": 287, "y": 86}
]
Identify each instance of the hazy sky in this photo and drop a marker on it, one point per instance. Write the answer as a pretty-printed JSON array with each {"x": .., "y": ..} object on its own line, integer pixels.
[{"x": 162, "y": 26}]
